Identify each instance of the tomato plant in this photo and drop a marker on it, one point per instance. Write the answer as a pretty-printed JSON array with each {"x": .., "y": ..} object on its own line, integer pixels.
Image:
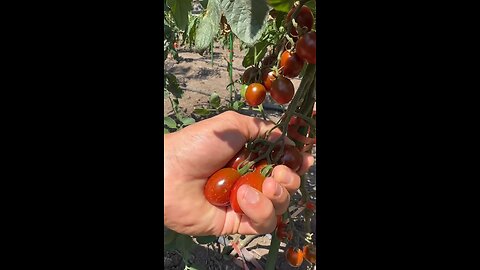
[
  {"x": 279, "y": 39},
  {"x": 294, "y": 256}
]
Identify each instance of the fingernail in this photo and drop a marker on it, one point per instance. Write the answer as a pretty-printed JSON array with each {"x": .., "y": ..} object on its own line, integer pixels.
[
  {"x": 278, "y": 190},
  {"x": 251, "y": 195}
]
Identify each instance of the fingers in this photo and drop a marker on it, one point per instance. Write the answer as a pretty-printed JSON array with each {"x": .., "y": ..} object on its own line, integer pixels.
[
  {"x": 286, "y": 177},
  {"x": 307, "y": 162},
  {"x": 277, "y": 194},
  {"x": 259, "y": 210},
  {"x": 250, "y": 127}
]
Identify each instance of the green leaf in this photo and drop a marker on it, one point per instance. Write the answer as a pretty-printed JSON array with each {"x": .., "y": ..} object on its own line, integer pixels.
[
  {"x": 206, "y": 239},
  {"x": 201, "y": 111},
  {"x": 165, "y": 131},
  {"x": 171, "y": 85},
  {"x": 238, "y": 104},
  {"x": 215, "y": 100},
  {"x": 169, "y": 122},
  {"x": 247, "y": 18},
  {"x": 250, "y": 58},
  {"x": 180, "y": 9},
  {"x": 281, "y": 5},
  {"x": 208, "y": 26},
  {"x": 188, "y": 121},
  {"x": 184, "y": 244}
]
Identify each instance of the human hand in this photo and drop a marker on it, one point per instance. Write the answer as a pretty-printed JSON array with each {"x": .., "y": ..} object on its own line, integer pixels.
[{"x": 194, "y": 153}]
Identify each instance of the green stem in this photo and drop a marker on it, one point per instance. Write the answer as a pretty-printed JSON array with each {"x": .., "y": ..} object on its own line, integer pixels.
[
  {"x": 211, "y": 51},
  {"x": 272, "y": 252},
  {"x": 230, "y": 65}
]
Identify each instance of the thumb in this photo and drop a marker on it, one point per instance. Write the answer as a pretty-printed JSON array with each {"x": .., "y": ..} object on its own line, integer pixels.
[{"x": 259, "y": 210}]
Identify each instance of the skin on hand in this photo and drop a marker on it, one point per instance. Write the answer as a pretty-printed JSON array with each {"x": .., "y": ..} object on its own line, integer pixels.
[{"x": 194, "y": 153}]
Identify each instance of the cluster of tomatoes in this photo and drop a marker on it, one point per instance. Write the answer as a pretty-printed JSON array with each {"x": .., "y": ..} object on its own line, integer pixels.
[
  {"x": 277, "y": 83},
  {"x": 295, "y": 255},
  {"x": 221, "y": 187}
]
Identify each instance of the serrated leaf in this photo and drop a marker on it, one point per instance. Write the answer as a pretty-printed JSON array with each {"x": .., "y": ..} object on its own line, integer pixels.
[
  {"x": 165, "y": 131},
  {"x": 214, "y": 100},
  {"x": 201, "y": 111},
  {"x": 188, "y": 121},
  {"x": 206, "y": 239},
  {"x": 171, "y": 85},
  {"x": 247, "y": 18},
  {"x": 169, "y": 122},
  {"x": 208, "y": 26},
  {"x": 250, "y": 58},
  {"x": 281, "y": 5},
  {"x": 180, "y": 9}
]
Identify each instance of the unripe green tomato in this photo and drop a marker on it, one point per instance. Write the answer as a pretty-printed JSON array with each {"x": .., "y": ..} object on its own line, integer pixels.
[{"x": 243, "y": 90}]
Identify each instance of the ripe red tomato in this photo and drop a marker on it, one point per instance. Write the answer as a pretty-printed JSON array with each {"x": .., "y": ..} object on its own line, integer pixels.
[
  {"x": 255, "y": 94},
  {"x": 294, "y": 257},
  {"x": 307, "y": 47},
  {"x": 218, "y": 186},
  {"x": 268, "y": 76},
  {"x": 291, "y": 63},
  {"x": 310, "y": 253},
  {"x": 250, "y": 74},
  {"x": 304, "y": 18},
  {"x": 282, "y": 90},
  {"x": 240, "y": 157},
  {"x": 253, "y": 179}
]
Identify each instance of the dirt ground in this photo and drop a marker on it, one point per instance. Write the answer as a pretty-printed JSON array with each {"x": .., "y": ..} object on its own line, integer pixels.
[{"x": 199, "y": 79}]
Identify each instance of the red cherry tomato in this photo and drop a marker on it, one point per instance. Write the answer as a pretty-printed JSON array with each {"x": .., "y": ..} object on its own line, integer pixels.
[
  {"x": 307, "y": 47},
  {"x": 255, "y": 94},
  {"x": 310, "y": 253},
  {"x": 250, "y": 74},
  {"x": 282, "y": 90},
  {"x": 291, "y": 63},
  {"x": 304, "y": 18},
  {"x": 240, "y": 157},
  {"x": 268, "y": 76},
  {"x": 218, "y": 186},
  {"x": 253, "y": 179},
  {"x": 294, "y": 257}
]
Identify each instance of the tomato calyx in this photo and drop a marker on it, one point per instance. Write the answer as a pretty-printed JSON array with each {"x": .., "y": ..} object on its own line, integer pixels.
[{"x": 245, "y": 166}]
